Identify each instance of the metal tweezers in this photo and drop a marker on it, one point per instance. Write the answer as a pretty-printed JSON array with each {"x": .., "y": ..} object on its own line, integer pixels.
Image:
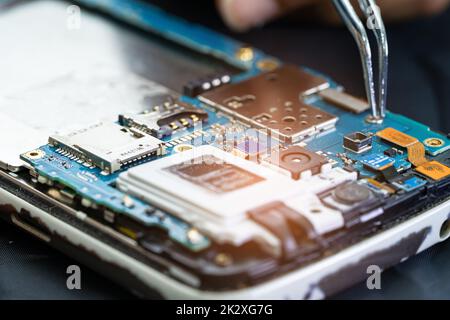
[{"x": 377, "y": 100}]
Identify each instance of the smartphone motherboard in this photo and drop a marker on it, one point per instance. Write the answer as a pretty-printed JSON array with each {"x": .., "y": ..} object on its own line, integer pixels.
[{"x": 239, "y": 177}]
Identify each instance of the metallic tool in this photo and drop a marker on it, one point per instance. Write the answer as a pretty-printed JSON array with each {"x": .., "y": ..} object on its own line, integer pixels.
[{"x": 376, "y": 98}]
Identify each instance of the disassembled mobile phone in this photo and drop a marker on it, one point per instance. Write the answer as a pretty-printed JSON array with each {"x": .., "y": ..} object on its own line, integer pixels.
[{"x": 179, "y": 161}]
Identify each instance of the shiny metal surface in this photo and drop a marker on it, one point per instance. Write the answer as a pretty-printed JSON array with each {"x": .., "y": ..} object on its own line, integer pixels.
[
  {"x": 376, "y": 98},
  {"x": 274, "y": 101}
]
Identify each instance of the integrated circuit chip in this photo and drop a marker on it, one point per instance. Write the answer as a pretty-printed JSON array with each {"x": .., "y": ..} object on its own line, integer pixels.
[
  {"x": 211, "y": 189},
  {"x": 214, "y": 174},
  {"x": 416, "y": 154},
  {"x": 217, "y": 184},
  {"x": 416, "y": 150},
  {"x": 377, "y": 162},
  {"x": 274, "y": 101},
  {"x": 107, "y": 145}
]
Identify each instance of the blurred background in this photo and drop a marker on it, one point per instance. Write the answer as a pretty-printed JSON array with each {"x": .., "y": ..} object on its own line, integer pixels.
[{"x": 419, "y": 55}]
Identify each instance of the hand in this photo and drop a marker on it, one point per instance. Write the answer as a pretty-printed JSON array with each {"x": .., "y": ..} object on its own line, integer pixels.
[{"x": 241, "y": 15}]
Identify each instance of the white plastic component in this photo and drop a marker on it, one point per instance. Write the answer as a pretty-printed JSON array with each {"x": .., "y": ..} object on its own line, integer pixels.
[
  {"x": 226, "y": 208},
  {"x": 68, "y": 79},
  {"x": 220, "y": 215},
  {"x": 223, "y": 216},
  {"x": 326, "y": 180},
  {"x": 321, "y": 217},
  {"x": 17, "y": 138}
]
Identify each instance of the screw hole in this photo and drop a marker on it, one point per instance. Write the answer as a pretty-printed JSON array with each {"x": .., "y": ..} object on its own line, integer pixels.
[
  {"x": 289, "y": 119},
  {"x": 445, "y": 229}
]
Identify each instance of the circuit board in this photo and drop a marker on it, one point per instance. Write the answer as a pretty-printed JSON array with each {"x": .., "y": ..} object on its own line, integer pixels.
[{"x": 273, "y": 164}]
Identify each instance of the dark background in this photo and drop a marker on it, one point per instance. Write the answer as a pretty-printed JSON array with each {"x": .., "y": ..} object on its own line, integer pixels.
[
  {"x": 419, "y": 56},
  {"x": 419, "y": 76}
]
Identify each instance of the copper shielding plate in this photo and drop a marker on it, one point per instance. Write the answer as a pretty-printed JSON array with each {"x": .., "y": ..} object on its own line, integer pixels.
[{"x": 274, "y": 100}]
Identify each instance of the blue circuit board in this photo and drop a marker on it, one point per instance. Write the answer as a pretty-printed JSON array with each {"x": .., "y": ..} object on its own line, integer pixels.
[
  {"x": 331, "y": 144},
  {"x": 410, "y": 184},
  {"x": 377, "y": 161},
  {"x": 95, "y": 186},
  {"x": 92, "y": 185}
]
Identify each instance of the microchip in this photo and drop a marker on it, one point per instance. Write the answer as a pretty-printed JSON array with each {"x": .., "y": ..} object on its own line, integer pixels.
[
  {"x": 212, "y": 189},
  {"x": 377, "y": 162},
  {"x": 273, "y": 101},
  {"x": 416, "y": 150},
  {"x": 434, "y": 143},
  {"x": 206, "y": 182},
  {"x": 248, "y": 148},
  {"x": 108, "y": 146},
  {"x": 254, "y": 146},
  {"x": 409, "y": 183},
  {"x": 416, "y": 154},
  {"x": 214, "y": 174},
  {"x": 391, "y": 152}
]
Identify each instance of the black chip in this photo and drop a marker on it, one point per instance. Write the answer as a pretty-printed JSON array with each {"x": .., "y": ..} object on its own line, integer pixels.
[{"x": 390, "y": 152}]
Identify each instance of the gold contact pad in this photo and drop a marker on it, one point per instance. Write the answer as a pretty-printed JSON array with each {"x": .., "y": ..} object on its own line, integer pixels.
[
  {"x": 396, "y": 137},
  {"x": 416, "y": 153},
  {"x": 434, "y": 170},
  {"x": 416, "y": 150}
]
